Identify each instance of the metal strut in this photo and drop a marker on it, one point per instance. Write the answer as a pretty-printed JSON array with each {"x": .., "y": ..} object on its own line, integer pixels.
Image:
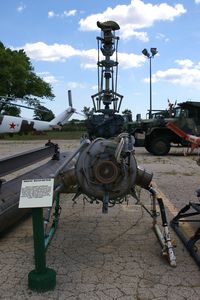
[
  {"x": 189, "y": 242},
  {"x": 164, "y": 238},
  {"x": 56, "y": 216},
  {"x": 105, "y": 203}
]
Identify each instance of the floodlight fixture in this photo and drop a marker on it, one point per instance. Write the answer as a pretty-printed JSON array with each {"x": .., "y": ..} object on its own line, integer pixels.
[
  {"x": 153, "y": 51},
  {"x": 145, "y": 52}
]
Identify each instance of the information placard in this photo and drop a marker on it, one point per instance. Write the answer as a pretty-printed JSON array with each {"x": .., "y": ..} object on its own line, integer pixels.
[{"x": 36, "y": 193}]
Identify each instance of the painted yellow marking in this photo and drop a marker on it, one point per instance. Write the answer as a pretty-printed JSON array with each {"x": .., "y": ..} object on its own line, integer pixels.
[{"x": 173, "y": 210}]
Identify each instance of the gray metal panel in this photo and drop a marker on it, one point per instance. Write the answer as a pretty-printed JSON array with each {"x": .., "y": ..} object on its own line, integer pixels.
[
  {"x": 10, "y": 191},
  {"x": 16, "y": 162}
]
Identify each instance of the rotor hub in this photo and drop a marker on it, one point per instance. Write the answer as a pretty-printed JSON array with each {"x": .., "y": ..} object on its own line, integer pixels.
[{"x": 106, "y": 172}]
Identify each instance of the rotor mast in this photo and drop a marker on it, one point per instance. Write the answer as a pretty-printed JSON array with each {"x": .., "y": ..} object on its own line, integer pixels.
[{"x": 107, "y": 70}]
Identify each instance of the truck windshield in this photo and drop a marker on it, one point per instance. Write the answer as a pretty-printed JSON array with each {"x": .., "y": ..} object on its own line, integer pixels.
[{"x": 179, "y": 112}]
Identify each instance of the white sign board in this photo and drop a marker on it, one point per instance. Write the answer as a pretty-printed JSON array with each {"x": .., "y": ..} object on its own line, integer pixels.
[{"x": 36, "y": 193}]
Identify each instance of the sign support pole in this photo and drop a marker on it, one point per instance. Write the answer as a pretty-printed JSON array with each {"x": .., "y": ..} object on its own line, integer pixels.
[{"x": 41, "y": 278}]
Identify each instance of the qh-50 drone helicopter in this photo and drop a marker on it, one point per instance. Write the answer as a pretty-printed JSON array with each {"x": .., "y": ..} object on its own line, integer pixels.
[{"x": 103, "y": 168}]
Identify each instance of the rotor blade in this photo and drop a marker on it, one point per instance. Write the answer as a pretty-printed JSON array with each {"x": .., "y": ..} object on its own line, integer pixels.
[
  {"x": 70, "y": 103},
  {"x": 28, "y": 107},
  {"x": 70, "y": 98},
  {"x": 5, "y": 99}
]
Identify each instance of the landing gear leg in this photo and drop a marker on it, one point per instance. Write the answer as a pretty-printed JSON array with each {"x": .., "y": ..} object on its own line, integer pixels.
[{"x": 164, "y": 238}]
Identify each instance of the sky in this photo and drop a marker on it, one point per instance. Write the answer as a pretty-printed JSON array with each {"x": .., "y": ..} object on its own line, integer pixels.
[{"x": 59, "y": 36}]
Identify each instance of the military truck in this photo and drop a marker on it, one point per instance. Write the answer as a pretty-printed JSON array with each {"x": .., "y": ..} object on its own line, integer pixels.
[{"x": 156, "y": 137}]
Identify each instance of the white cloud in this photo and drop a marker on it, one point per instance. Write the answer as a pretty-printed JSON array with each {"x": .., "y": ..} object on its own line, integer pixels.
[
  {"x": 21, "y": 7},
  {"x": 128, "y": 32},
  {"x": 197, "y": 1},
  {"x": 75, "y": 85},
  {"x": 94, "y": 87},
  {"x": 130, "y": 60},
  {"x": 56, "y": 52},
  {"x": 187, "y": 74},
  {"x": 69, "y": 13},
  {"x": 89, "y": 58},
  {"x": 184, "y": 62},
  {"x": 126, "y": 60},
  {"x": 134, "y": 16},
  {"x": 60, "y": 52},
  {"x": 50, "y": 79},
  {"x": 52, "y": 14},
  {"x": 66, "y": 13},
  {"x": 162, "y": 37},
  {"x": 46, "y": 76}
]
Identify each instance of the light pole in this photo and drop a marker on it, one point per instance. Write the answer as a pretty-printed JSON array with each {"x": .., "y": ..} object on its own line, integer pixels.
[{"x": 150, "y": 56}]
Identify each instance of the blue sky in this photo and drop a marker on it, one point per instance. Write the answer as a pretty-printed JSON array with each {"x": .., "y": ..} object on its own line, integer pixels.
[{"x": 60, "y": 38}]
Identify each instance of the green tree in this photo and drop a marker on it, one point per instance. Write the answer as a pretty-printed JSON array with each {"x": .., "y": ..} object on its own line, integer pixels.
[
  {"x": 42, "y": 113},
  {"x": 10, "y": 110},
  {"x": 74, "y": 125},
  {"x": 128, "y": 114},
  {"x": 87, "y": 111},
  {"x": 17, "y": 77}
]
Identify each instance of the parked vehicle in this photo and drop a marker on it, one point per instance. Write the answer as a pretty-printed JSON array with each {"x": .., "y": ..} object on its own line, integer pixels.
[{"x": 156, "y": 137}]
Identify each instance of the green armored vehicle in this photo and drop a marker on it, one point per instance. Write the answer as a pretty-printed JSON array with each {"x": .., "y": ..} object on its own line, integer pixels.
[{"x": 156, "y": 137}]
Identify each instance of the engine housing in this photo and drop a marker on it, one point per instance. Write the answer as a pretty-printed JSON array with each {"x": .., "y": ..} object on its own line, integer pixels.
[{"x": 105, "y": 166}]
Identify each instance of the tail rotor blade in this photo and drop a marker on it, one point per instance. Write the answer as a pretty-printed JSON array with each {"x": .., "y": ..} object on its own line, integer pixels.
[{"x": 70, "y": 98}]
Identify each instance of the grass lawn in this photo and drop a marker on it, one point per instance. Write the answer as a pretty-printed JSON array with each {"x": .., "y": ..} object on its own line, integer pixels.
[{"x": 48, "y": 135}]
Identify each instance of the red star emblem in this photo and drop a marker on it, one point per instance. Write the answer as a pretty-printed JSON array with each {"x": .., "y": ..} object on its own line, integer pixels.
[{"x": 12, "y": 125}]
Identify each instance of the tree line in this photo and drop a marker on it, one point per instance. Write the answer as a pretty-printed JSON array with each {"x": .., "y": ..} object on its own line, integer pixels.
[{"x": 18, "y": 80}]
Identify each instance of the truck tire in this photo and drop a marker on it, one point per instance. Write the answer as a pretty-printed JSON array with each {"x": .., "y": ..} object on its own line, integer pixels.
[
  {"x": 147, "y": 145},
  {"x": 159, "y": 146}
]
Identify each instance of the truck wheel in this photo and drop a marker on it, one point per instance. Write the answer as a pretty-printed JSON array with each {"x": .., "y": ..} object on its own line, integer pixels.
[
  {"x": 147, "y": 146},
  {"x": 160, "y": 146}
]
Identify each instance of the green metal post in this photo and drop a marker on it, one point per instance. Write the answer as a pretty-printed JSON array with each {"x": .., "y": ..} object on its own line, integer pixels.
[{"x": 42, "y": 278}]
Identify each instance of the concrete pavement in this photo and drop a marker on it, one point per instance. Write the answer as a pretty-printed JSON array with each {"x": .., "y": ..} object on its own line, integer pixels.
[{"x": 99, "y": 256}]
